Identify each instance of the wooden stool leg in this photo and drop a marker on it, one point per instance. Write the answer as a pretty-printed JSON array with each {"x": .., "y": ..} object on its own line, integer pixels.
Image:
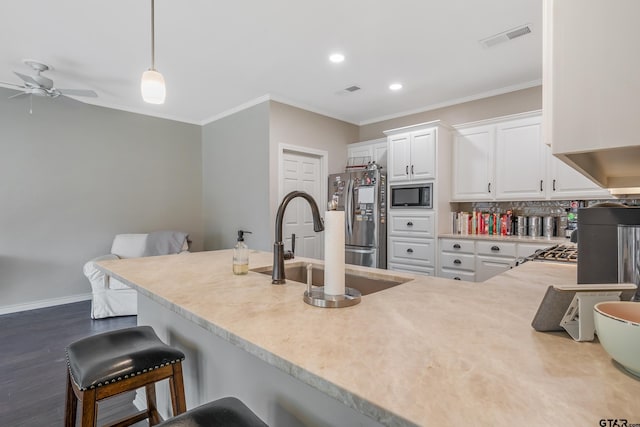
[
  {"x": 176, "y": 386},
  {"x": 89, "y": 406},
  {"x": 152, "y": 407},
  {"x": 71, "y": 404}
]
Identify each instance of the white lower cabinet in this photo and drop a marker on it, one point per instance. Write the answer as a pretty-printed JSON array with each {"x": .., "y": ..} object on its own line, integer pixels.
[
  {"x": 413, "y": 269},
  {"x": 457, "y": 259},
  {"x": 411, "y": 245},
  {"x": 477, "y": 260},
  {"x": 526, "y": 249},
  {"x": 493, "y": 258},
  {"x": 412, "y": 251},
  {"x": 489, "y": 266}
]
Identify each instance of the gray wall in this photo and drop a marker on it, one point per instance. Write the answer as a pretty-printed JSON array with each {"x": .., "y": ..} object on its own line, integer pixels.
[
  {"x": 501, "y": 105},
  {"x": 74, "y": 175},
  {"x": 294, "y": 126},
  {"x": 235, "y": 171}
]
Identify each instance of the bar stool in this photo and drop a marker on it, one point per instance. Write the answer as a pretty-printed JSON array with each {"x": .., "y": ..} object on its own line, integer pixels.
[
  {"x": 225, "y": 412},
  {"x": 115, "y": 362}
]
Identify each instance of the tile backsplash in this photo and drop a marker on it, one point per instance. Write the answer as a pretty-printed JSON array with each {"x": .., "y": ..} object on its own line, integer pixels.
[{"x": 528, "y": 208}]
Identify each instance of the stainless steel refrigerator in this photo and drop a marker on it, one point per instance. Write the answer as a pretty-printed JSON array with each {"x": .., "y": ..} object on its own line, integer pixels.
[{"x": 362, "y": 196}]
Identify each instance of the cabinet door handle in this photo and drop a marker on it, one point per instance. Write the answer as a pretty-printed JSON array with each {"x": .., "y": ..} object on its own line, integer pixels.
[
  {"x": 406, "y": 170},
  {"x": 489, "y": 188},
  {"x": 541, "y": 181},
  {"x": 409, "y": 224},
  {"x": 409, "y": 251},
  {"x": 411, "y": 169},
  {"x": 495, "y": 248},
  {"x": 457, "y": 261},
  {"x": 456, "y": 246},
  {"x": 554, "y": 185}
]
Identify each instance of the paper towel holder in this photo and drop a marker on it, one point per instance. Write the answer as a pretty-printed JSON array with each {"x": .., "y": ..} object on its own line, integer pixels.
[{"x": 316, "y": 297}]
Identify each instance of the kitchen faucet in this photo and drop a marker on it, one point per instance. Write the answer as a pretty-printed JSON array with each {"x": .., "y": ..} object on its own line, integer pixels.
[{"x": 278, "y": 247}]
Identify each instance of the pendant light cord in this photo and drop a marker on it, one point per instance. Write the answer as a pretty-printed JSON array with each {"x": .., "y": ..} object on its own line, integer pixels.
[{"x": 153, "y": 36}]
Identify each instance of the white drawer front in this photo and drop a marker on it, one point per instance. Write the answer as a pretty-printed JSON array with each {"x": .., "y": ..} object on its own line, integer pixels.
[
  {"x": 422, "y": 225},
  {"x": 453, "y": 245},
  {"x": 485, "y": 247},
  {"x": 526, "y": 249},
  {"x": 421, "y": 252},
  {"x": 457, "y": 275},
  {"x": 413, "y": 269},
  {"x": 488, "y": 266},
  {"x": 458, "y": 261}
]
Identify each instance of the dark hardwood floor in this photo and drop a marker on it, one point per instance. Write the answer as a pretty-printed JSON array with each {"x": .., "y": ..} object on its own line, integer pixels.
[{"x": 32, "y": 360}]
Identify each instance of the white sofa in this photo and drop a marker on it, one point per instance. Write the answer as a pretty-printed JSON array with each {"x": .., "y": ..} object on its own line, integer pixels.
[{"x": 112, "y": 297}]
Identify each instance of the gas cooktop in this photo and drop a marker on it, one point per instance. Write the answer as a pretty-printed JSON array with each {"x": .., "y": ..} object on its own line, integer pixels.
[{"x": 559, "y": 253}]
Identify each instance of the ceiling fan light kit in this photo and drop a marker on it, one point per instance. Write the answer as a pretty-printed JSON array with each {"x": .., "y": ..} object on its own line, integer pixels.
[{"x": 152, "y": 84}]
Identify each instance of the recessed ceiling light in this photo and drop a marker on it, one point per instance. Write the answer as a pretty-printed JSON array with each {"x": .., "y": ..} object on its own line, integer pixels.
[
  {"x": 395, "y": 86},
  {"x": 336, "y": 58}
]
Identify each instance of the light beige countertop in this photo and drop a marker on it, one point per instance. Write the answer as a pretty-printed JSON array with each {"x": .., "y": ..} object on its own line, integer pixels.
[
  {"x": 431, "y": 351},
  {"x": 517, "y": 239}
]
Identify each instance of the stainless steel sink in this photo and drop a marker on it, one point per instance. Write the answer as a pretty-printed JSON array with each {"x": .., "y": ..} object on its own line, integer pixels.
[{"x": 366, "y": 285}]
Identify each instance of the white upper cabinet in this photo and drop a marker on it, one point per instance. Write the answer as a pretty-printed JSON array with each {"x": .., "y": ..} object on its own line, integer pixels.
[
  {"x": 591, "y": 87},
  {"x": 399, "y": 158},
  {"x": 473, "y": 164},
  {"x": 505, "y": 159},
  {"x": 412, "y": 156},
  {"x": 567, "y": 183},
  {"x": 423, "y": 155},
  {"x": 521, "y": 164},
  {"x": 375, "y": 150}
]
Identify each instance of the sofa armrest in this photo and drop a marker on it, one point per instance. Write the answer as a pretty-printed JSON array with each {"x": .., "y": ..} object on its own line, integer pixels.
[{"x": 99, "y": 281}]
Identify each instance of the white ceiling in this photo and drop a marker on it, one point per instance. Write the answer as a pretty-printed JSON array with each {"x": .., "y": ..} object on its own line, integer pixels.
[{"x": 219, "y": 55}]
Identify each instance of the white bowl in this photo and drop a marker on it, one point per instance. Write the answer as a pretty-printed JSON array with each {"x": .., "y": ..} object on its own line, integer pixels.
[{"x": 618, "y": 327}]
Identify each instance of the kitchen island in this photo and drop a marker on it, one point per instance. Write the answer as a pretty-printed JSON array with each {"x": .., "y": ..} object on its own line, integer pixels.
[{"x": 431, "y": 351}]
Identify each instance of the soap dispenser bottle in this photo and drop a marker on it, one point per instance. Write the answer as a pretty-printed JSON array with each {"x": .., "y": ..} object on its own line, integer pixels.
[{"x": 241, "y": 255}]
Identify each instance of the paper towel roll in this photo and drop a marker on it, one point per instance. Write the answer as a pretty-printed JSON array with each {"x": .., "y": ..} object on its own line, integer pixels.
[{"x": 334, "y": 253}]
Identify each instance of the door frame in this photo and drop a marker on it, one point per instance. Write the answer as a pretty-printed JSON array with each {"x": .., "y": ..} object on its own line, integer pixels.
[{"x": 323, "y": 155}]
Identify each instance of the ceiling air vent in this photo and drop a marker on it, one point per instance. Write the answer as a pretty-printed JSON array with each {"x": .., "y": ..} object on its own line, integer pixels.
[{"x": 506, "y": 36}]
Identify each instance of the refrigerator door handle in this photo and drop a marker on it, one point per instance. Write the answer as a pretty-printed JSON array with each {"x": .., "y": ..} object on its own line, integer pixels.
[
  {"x": 361, "y": 251},
  {"x": 349, "y": 208}
]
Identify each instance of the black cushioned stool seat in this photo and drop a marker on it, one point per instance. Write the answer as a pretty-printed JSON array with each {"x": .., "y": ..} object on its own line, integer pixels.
[
  {"x": 111, "y": 363},
  {"x": 225, "y": 412}
]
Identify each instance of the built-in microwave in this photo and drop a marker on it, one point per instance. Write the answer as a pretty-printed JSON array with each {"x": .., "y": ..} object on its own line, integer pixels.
[{"x": 412, "y": 196}]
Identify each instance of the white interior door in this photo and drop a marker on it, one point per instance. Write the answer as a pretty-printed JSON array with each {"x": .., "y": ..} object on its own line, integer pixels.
[{"x": 302, "y": 172}]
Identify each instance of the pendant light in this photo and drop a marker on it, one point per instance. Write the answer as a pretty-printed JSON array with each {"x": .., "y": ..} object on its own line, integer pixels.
[{"x": 152, "y": 84}]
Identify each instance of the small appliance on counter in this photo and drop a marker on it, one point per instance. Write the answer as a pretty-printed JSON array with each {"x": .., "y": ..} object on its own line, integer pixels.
[{"x": 598, "y": 240}]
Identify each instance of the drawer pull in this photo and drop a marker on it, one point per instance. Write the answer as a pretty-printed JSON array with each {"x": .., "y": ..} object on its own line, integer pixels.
[
  {"x": 495, "y": 248},
  {"x": 410, "y": 251},
  {"x": 456, "y": 246},
  {"x": 409, "y": 224},
  {"x": 457, "y": 278},
  {"x": 457, "y": 261}
]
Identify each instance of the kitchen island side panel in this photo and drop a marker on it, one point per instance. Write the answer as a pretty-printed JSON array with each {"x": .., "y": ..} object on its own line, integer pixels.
[{"x": 215, "y": 368}]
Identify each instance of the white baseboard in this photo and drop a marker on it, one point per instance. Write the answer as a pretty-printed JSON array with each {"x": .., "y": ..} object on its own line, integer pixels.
[{"x": 14, "y": 308}]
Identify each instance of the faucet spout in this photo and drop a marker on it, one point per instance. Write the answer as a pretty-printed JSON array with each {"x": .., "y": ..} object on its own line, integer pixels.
[{"x": 278, "y": 247}]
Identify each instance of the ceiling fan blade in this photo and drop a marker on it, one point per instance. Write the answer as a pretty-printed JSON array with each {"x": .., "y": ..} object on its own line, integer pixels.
[
  {"x": 12, "y": 85},
  {"x": 78, "y": 92},
  {"x": 27, "y": 79},
  {"x": 18, "y": 94}
]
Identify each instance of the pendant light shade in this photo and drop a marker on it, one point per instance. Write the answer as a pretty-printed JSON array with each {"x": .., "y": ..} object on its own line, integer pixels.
[
  {"x": 152, "y": 84},
  {"x": 152, "y": 87}
]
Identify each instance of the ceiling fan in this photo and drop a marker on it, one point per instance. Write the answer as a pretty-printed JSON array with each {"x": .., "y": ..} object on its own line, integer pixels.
[{"x": 39, "y": 85}]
